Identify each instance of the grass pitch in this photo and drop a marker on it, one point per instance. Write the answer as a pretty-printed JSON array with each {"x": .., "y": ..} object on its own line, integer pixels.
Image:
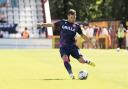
[{"x": 43, "y": 69}]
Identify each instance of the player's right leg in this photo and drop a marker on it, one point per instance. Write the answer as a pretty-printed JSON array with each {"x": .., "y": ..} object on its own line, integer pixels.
[
  {"x": 83, "y": 60},
  {"x": 76, "y": 54}
]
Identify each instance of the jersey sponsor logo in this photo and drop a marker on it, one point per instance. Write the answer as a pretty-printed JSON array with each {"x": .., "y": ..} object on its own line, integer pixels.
[{"x": 68, "y": 28}]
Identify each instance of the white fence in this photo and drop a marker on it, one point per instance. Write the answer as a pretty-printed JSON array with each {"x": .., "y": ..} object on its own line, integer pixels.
[{"x": 25, "y": 43}]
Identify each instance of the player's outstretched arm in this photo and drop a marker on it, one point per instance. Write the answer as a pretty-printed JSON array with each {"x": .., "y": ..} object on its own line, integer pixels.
[
  {"x": 46, "y": 24},
  {"x": 84, "y": 37}
]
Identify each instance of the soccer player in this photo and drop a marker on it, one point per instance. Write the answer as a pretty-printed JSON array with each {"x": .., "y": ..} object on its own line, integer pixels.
[{"x": 68, "y": 29}]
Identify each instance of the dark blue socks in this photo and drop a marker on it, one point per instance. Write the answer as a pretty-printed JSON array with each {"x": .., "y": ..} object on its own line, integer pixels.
[{"x": 68, "y": 67}]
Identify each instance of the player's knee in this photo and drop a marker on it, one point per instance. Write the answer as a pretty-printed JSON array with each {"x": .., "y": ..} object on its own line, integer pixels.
[{"x": 65, "y": 58}]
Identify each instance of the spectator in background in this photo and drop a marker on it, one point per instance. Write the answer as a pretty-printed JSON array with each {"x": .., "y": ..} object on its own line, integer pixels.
[
  {"x": 42, "y": 32},
  {"x": 85, "y": 43},
  {"x": 3, "y": 3},
  {"x": 111, "y": 36},
  {"x": 127, "y": 39},
  {"x": 1, "y": 34},
  {"x": 120, "y": 36},
  {"x": 25, "y": 33},
  {"x": 107, "y": 36},
  {"x": 3, "y": 6},
  {"x": 95, "y": 42},
  {"x": 100, "y": 40},
  {"x": 89, "y": 32},
  {"x": 102, "y": 37},
  {"x": 96, "y": 35}
]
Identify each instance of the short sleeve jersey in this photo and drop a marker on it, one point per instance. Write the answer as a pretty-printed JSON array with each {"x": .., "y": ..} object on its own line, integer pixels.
[{"x": 67, "y": 32}]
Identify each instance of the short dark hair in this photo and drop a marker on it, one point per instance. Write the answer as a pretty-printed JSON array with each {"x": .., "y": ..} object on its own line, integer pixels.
[
  {"x": 72, "y": 12},
  {"x": 26, "y": 28}
]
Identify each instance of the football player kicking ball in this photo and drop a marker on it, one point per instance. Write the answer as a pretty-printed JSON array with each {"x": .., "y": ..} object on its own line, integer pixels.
[{"x": 68, "y": 29}]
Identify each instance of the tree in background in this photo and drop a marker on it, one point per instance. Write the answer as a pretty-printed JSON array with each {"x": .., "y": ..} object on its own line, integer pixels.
[{"x": 91, "y": 9}]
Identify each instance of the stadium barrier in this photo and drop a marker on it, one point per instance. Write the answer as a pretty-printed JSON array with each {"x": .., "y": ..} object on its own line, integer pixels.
[
  {"x": 25, "y": 43},
  {"x": 55, "y": 41},
  {"x": 80, "y": 41}
]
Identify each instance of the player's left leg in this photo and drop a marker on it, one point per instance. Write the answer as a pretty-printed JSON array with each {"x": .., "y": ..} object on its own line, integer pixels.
[
  {"x": 65, "y": 56},
  {"x": 67, "y": 65}
]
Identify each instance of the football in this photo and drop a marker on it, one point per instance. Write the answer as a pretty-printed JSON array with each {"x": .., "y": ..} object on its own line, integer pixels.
[{"x": 83, "y": 74}]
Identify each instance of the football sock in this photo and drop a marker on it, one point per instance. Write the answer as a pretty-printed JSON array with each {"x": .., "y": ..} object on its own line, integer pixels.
[
  {"x": 72, "y": 76},
  {"x": 89, "y": 62},
  {"x": 68, "y": 67}
]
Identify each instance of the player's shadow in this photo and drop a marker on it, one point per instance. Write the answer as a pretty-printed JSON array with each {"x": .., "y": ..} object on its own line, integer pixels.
[
  {"x": 54, "y": 79},
  {"x": 50, "y": 79},
  {"x": 59, "y": 79}
]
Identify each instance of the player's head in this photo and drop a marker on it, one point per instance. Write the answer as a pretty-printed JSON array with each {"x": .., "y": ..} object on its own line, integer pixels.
[
  {"x": 121, "y": 25},
  {"x": 71, "y": 15},
  {"x": 26, "y": 28}
]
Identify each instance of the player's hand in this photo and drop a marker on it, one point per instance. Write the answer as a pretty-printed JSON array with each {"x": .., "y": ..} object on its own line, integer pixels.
[
  {"x": 88, "y": 40},
  {"x": 39, "y": 24}
]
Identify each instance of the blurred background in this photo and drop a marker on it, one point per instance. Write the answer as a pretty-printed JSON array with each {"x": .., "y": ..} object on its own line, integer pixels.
[
  {"x": 29, "y": 55},
  {"x": 100, "y": 20}
]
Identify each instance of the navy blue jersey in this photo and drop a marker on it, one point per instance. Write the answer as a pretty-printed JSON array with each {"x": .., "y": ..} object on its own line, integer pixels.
[{"x": 67, "y": 32}]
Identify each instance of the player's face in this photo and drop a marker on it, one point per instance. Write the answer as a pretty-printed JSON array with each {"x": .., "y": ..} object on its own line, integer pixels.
[{"x": 71, "y": 18}]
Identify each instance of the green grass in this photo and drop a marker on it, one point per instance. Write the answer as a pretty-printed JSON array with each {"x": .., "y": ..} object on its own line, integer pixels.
[{"x": 43, "y": 69}]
